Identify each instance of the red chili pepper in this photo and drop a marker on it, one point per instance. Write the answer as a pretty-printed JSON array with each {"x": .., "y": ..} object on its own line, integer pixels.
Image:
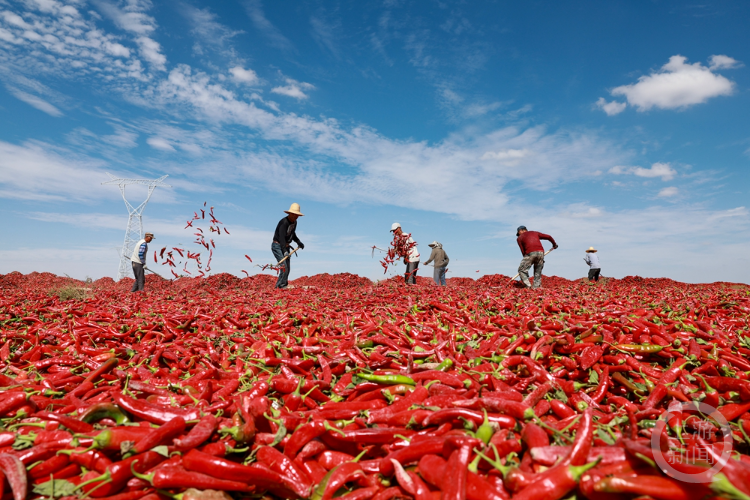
[
  {"x": 152, "y": 413},
  {"x": 534, "y": 436},
  {"x": 15, "y": 473},
  {"x": 159, "y": 436},
  {"x": 73, "y": 424},
  {"x": 262, "y": 478},
  {"x": 280, "y": 463},
  {"x": 114, "y": 437},
  {"x": 198, "y": 435},
  {"x": 118, "y": 474},
  {"x": 336, "y": 478},
  {"x": 49, "y": 466},
  {"x": 90, "y": 459},
  {"x": 412, "y": 453},
  {"x": 168, "y": 478},
  {"x": 451, "y": 414},
  {"x": 458, "y": 462},
  {"x": 653, "y": 486}
]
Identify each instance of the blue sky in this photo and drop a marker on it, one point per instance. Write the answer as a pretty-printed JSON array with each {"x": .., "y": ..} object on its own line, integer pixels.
[{"x": 618, "y": 125}]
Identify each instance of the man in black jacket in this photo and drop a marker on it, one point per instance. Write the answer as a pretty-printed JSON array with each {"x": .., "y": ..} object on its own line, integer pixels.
[{"x": 282, "y": 241}]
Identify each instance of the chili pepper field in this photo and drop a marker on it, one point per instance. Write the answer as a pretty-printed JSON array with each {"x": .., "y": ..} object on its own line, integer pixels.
[{"x": 220, "y": 387}]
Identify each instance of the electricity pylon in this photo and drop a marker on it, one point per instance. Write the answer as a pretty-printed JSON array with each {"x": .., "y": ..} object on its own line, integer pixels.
[{"x": 134, "y": 231}]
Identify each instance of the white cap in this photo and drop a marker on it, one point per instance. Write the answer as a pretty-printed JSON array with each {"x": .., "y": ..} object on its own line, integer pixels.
[
  {"x": 395, "y": 226},
  {"x": 433, "y": 244}
]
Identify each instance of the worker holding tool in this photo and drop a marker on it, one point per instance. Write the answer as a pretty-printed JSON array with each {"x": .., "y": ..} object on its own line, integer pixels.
[
  {"x": 593, "y": 261},
  {"x": 441, "y": 262},
  {"x": 286, "y": 232},
  {"x": 411, "y": 254},
  {"x": 533, "y": 253},
  {"x": 138, "y": 261}
]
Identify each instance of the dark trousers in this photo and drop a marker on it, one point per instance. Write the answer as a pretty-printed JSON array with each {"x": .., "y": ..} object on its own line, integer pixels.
[
  {"x": 283, "y": 279},
  {"x": 594, "y": 274},
  {"x": 140, "y": 277},
  {"x": 411, "y": 273}
]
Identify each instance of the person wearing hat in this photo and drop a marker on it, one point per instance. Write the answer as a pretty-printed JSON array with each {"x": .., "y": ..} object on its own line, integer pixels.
[
  {"x": 138, "y": 261},
  {"x": 533, "y": 253},
  {"x": 286, "y": 232},
  {"x": 593, "y": 261},
  {"x": 441, "y": 262},
  {"x": 412, "y": 258}
]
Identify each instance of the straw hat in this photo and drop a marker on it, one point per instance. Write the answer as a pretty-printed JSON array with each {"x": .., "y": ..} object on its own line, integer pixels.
[
  {"x": 150, "y": 234},
  {"x": 591, "y": 249},
  {"x": 294, "y": 209}
]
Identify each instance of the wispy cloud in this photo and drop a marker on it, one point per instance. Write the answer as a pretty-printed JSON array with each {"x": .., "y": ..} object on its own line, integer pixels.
[
  {"x": 294, "y": 89},
  {"x": 210, "y": 33},
  {"x": 254, "y": 9},
  {"x": 324, "y": 32},
  {"x": 658, "y": 169},
  {"x": 668, "y": 192},
  {"x": 132, "y": 17},
  {"x": 35, "y": 101}
]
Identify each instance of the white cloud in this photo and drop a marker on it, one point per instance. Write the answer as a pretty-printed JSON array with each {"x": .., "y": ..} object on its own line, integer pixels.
[
  {"x": 611, "y": 108},
  {"x": 210, "y": 32},
  {"x": 35, "y": 171},
  {"x": 241, "y": 75},
  {"x": 132, "y": 18},
  {"x": 507, "y": 155},
  {"x": 293, "y": 89},
  {"x": 36, "y": 102},
  {"x": 722, "y": 62},
  {"x": 658, "y": 169},
  {"x": 159, "y": 143},
  {"x": 678, "y": 85},
  {"x": 668, "y": 192},
  {"x": 151, "y": 51},
  {"x": 54, "y": 39},
  {"x": 482, "y": 109}
]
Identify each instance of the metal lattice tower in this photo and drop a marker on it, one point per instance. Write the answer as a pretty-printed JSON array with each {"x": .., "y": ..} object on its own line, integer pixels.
[{"x": 134, "y": 231}]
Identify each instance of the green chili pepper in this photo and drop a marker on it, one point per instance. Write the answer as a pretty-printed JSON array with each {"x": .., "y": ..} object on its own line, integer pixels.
[
  {"x": 640, "y": 349},
  {"x": 485, "y": 431},
  {"x": 387, "y": 379},
  {"x": 444, "y": 365}
]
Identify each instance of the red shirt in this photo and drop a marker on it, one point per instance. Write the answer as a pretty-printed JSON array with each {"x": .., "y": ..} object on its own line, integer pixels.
[{"x": 530, "y": 242}]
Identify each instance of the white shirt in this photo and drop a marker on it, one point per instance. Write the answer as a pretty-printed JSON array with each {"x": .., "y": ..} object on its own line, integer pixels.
[
  {"x": 592, "y": 260},
  {"x": 413, "y": 252}
]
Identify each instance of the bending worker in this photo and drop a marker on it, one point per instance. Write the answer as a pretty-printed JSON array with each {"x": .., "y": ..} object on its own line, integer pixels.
[
  {"x": 533, "y": 253},
  {"x": 286, "y": 232},
  {"x": 412, "y": 254},
  {"x": 441, "y": 262},
  {"x": 593, "y": 261},
  {"x": 138, "y": 261}
]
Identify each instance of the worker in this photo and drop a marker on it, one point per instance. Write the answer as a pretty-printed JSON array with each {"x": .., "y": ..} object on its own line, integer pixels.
[
  {"x": 593, "y": 261},
  {"x": 533, "y": 253},
  {"x": 441, "y": 262},
  {"x": 286, "y": 232},
  {"x": 138, "y": 261},
  {"x": 410, "y": 252}
]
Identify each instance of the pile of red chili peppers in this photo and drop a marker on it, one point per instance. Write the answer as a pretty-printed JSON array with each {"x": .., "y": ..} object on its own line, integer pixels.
[{"x": 224, "y": 388}]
